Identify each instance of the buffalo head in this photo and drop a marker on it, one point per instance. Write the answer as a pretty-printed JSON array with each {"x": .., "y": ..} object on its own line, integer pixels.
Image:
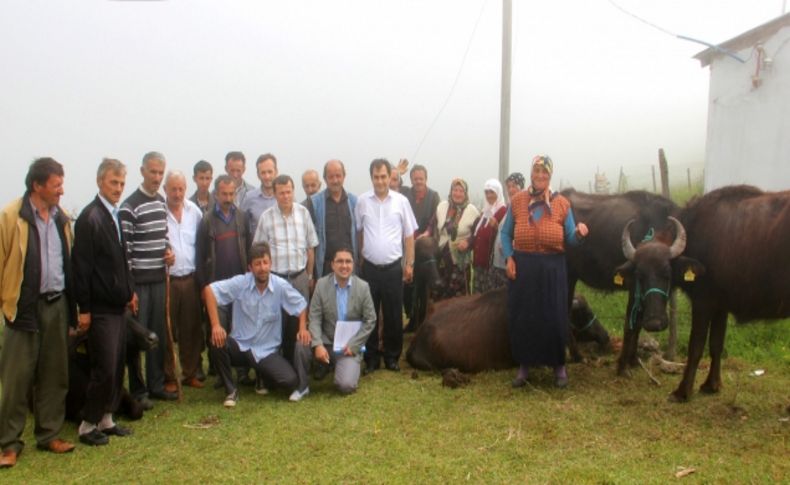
[
  {"x": 426, "y": 257},
  {"x": 648, "y": 274}
]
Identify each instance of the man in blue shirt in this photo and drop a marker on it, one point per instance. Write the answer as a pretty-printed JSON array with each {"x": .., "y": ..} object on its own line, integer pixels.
[{"x": 258, "y": 299}]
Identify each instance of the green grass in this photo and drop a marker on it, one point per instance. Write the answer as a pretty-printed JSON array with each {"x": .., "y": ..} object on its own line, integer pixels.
[{"x": 398, "y": 429}]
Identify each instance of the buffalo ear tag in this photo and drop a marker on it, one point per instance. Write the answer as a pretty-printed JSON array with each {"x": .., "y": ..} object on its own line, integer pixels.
[
  {"x": 689, "y": 275},
  {"x": 618, "y": 279}
]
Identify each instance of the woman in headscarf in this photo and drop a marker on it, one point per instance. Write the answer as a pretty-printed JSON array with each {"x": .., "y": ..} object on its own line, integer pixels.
[
  {"x": 455, "y": 220},
  {"x": 514, "y": 183},
  {"x": 538, "y": 225},
  {"x": 486, "y": 275}
]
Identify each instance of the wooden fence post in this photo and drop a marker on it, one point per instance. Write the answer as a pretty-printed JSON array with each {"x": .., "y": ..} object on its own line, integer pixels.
[{"x": 672, "y": 340}]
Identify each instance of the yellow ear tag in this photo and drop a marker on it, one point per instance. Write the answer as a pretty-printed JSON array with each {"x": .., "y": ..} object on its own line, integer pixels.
[
  {"x": 618, "y": 279},
  {"x": 689, "y": 275}
]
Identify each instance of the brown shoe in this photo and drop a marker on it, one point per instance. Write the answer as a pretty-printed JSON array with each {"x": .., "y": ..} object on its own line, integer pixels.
[
  {"x": 57, "y": 446},
  {"x": 171, "y": 387},
  {"x": 8, "y": 459},
  {"x": 193, "y": 382}
]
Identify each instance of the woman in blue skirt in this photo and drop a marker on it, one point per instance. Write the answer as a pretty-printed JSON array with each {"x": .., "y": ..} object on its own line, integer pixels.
[{"x": 537, "y": 226}]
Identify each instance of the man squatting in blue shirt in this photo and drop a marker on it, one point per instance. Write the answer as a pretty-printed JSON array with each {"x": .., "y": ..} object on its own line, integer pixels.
[{"x": 256, "y": 332}]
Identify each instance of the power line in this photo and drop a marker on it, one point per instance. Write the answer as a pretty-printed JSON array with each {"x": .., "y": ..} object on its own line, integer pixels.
[
  {"x": 455, "y": 83},
  {"x": 678, "y": 36}
]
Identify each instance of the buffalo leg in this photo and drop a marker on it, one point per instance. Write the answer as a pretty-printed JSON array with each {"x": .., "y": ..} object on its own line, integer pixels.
[
  {"x": 628, "y": 357},
  {"x": 718, "y": 329},
  {"x": 573, "y": 346},
  {"x": 700, "y": 322}
]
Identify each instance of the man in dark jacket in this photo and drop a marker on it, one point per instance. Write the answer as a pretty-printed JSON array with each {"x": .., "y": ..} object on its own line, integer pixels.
[
  {"x": 221, "y": 248},
  {"x": 35, "y": 294},
  {"x": 103, "y": 287}
]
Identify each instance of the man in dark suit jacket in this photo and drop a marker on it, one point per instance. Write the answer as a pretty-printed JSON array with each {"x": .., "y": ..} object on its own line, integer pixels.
[
  {"x": 103, "y": 288},
  {"x": 340, "y": 295}
]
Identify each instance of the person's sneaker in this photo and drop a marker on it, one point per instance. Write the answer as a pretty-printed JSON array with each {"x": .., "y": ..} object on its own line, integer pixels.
[
  {"x": 297, "y": 395},
  {"x": 260, "y": 387},
  {"x": 231, "y": 399}
]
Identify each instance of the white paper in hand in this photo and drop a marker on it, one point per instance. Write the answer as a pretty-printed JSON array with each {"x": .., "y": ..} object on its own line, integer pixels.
[{"x": 344, "y": 330}]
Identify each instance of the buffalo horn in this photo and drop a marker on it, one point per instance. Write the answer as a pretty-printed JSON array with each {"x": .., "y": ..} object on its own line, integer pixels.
[
  {"x": 679, "y": 245},
  {"x": 628, "y": 247}
]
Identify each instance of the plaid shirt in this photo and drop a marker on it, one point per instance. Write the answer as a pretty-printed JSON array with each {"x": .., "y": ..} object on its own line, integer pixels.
[{"x": 289, "y": 237}]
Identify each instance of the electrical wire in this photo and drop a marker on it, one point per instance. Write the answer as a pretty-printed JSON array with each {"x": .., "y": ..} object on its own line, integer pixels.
[
  {"x": 455, "y": 83},
  {"x": 678, "y": 36}
]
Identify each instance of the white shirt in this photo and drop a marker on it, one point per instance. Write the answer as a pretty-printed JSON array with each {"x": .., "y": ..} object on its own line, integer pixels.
[
  {"x": 182, "y": 236},
  {"x": 113, "y": 210},
  {"x": 385, "y": 224}
]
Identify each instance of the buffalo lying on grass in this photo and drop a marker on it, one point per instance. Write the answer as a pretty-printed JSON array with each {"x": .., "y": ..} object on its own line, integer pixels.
[{"x": 470, "y": 333}]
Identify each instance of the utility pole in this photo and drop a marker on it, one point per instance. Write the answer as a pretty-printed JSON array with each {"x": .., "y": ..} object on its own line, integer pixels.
[{"x": 504, "y": 118}]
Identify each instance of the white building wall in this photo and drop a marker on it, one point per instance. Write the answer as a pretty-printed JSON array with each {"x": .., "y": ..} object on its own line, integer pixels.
[{"x": 748, "y": 139}]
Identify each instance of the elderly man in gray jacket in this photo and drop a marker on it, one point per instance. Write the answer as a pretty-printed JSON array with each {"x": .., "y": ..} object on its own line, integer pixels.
[{"x": 340, "y": 296}]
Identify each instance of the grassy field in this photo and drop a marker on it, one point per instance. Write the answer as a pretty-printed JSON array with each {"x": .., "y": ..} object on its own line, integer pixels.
[
  {"x": 407, "y": 428},
  {"x": 402, "y": 429}
]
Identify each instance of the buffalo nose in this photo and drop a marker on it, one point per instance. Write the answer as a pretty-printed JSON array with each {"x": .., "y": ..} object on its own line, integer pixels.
[{"x": 655, "y": 324}]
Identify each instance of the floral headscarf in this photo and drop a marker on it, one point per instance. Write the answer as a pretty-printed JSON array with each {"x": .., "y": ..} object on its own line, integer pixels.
[
  {"x": 541, "y": 197},
  {"x": 454, "y": 211},
  {"x": 490, "y": 209}
]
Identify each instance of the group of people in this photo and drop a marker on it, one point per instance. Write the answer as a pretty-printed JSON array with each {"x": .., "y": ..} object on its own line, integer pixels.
[{"x": 263, "y": 281}]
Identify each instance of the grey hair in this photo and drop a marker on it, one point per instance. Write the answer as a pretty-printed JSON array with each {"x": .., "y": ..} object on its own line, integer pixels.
[
  {"x": 175, "y": 174},
  {"x": 150, "y": 156},
  {"x": 110, "y": 165}
]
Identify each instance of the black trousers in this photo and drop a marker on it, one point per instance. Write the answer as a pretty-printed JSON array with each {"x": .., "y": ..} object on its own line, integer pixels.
[
  {"x": 386, "y": 288},
  {"x": 107, "y": 349},
  {"x": 273, "y": 369}
]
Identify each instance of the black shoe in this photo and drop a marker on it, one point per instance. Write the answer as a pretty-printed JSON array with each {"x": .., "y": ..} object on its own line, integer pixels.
[
  {"x": 561, "y": 382},
  {"x": 371, "y": 367},
  {"x": 320, "y": 372},
  {"x": 117, "y": 431},
  {"x": 94, "y": 438},
  {"x": 145, "y": 403},
  {"x": 246, "y": 380},
  {"x": 201, "y": 376},
  {"x": 164, "y": 395},
  {"x": 392, "y": 365},
  {"x": 518, "y": 382}
]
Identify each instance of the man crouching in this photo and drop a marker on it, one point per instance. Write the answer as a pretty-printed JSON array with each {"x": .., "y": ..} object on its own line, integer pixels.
[
  {"x": 256, "y": 326},
  {"x": 341, "y": 297}
]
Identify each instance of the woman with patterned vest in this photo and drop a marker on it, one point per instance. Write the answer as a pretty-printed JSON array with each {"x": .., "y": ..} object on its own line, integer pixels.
[
  {"x": 537, "y": 226},
  {"x": 455, "y": 221}
]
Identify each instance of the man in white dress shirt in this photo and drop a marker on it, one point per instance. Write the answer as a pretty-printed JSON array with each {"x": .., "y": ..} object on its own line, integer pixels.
[
  {"x": 183, "y": 219},
  {"x": 385, "y": 225}
]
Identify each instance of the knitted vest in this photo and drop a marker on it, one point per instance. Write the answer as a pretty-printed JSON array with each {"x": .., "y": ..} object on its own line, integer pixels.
[{"x": 546, "y": 235}]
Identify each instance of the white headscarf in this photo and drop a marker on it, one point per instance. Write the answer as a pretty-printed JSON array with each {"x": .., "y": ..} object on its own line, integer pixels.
[{"x": 490, "y": 209}]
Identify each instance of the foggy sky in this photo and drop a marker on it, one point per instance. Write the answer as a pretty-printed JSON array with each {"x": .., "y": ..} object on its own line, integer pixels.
[{"x": 354, "y": 80}]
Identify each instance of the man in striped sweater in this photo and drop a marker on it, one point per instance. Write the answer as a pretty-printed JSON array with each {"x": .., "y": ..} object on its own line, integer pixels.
[{"x": 144, "y": 223}]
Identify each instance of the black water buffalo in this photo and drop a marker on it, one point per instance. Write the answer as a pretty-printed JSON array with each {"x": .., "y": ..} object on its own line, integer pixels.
[
  {"x": 426, "y": 276},
  {"x": 470, "y": 333},
  {"x": 138, "y": 339},
  {"x": 735, "y": 261},
  {"x": 595, "y": 261}
]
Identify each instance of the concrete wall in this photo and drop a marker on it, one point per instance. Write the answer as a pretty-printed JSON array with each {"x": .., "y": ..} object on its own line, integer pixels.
[{"x": 749, "y": 128}]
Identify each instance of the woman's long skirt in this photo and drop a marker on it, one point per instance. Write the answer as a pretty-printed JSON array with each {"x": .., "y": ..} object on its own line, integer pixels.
[{"x": 538, "y": 309}]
